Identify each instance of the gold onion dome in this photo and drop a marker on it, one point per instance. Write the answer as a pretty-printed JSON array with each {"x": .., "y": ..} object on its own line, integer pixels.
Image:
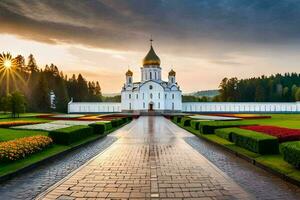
[
  {"x": 151, "y": 58},
  {"x": 129, "y": 73},
  {"x": 172, "y": 73}
]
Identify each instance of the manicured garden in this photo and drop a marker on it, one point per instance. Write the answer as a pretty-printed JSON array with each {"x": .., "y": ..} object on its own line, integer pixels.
[
  {"x": 30, "y": 140},
  {"x": 270, "y": 141}
]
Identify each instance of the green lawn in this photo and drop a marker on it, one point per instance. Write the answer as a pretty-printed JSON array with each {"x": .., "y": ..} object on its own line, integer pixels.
[
  {"x": 283, "y": 120},
  {"x": 11, "y": 134},
  {"x": 22, "y": 115}
]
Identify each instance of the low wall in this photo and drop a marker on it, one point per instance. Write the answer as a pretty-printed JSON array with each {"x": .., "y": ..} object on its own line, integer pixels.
[
  {"x": 94, "y": 107},
  {"x": 260, "y": 107}
]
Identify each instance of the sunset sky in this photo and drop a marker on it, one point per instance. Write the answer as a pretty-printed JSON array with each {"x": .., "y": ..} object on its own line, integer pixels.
[{"x": 202, "y": 40}]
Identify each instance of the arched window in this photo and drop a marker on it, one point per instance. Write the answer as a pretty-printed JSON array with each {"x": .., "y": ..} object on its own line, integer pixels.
[
  {"x": 143, "y": 104},
  {"x": 151, "y": 95},
  {"x": 129, "y": 106},
  {"x": 166, "y": 96},
  {"x": 137, "y": 96},
  {"x": 150, "y": 75},
  {"x": 158, "y": 104},
  {"x": 150, "y": 87},
  {"x": 172, "y": 96},
  {"x": 155, "y": 76},
  {"x": 143, "y": 96},
  {"x": 129, "y": 80},
  {"x": 172, "y": 106},
  {"x": 172, "y": 80},
  {"x": 129, "y": 96},
  {"x": 159, "y": 95}
]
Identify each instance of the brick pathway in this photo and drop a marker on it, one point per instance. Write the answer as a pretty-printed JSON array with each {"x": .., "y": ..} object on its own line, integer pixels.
[{"x": 149, "y": 161}]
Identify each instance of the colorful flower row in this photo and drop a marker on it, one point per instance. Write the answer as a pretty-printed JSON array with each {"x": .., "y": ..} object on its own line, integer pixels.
[
  {"x": 244, "y": 116},
  {"x": 20, "y": 148},
  {"x": 283, "y": 134},
  {"x": 16, "y": 123}
]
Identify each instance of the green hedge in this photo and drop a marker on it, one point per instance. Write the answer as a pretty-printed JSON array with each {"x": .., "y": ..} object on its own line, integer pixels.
[
  {"x": 117, "y": 122},
  {"x": 101, "y": 127},
  {"x": 185, "y": 121},
  {"x": 226, "y": 133},
  {"x": 291, "y": 153},
  {"x": 209, "y": 127},
  {"x": 195, "y": 124},
  {"x": 71, "y": 134},
  {"x": 255, "y": 142}
]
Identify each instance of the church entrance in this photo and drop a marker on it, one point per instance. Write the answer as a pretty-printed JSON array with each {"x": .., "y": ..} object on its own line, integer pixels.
[{"x": 150, "y": 108}]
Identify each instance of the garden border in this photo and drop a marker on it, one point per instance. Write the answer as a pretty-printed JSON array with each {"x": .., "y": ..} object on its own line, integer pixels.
[
  {"x": 248, "y": 159},
  {"x": 55, "y": 156}
]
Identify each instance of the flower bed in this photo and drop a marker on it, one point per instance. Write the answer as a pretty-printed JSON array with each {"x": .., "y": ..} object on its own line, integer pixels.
[
  {"x": 283, "y": 134},
  {"x": 209, "y": 127},
  {"x": 20, "y": 148},
  {"x": 243, "y": 116},
  {"x": 16, "y": 123}
]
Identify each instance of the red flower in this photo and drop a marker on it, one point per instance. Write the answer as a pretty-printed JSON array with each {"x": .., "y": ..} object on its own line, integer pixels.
[{"x": 283, "y": 134}]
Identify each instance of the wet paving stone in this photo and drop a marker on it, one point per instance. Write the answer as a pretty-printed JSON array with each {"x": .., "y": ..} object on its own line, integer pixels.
[
  {"x": 261, "y": 184},
  {"x": 149, "y": 161}
]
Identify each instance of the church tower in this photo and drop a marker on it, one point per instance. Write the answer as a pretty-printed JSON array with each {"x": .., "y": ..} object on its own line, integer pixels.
[{"x": 151, "y": 69}]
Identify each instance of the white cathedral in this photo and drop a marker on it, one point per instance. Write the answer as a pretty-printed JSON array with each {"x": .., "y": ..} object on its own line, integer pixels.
[{"x": 151, "y": 94}]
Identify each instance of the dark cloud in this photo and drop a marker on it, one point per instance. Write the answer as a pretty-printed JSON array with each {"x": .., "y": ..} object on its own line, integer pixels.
[{"x": 126, "y": 24}]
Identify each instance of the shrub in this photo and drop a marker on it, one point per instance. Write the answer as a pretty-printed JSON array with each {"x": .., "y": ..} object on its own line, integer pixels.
[
  {"x": 70, "y": 134},
  {"x": 256, "y": 142},
  {"x": 16, "y": 123},
  {"x": 226, "y": 133},
  {"x": 208, "y": 127},
  {"x": 22, "y": 147},
  {"x": 186, "y": 121},
  {"x": 101, "y": 127},
  {"x": 291, "y": 153},
  {"x": 116, "y": 122},
  {"x": 283, "y": 134},
  {"x": 195, "y": 124}
]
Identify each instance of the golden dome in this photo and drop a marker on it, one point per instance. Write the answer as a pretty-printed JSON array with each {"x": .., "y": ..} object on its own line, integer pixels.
[
  {"x": 172, "y": 73},
  {"x": 129, "y": 73},
  {"x": 151, "y": 58}
]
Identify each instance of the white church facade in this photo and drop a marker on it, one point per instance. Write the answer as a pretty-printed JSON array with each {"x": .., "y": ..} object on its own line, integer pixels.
[{"x": 151, "y": 93}]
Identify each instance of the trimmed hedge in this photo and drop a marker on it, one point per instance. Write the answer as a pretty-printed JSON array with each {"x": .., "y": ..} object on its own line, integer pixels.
[
  {"x": 226, "y": 133},
  {"x": 101, "y": 127},
  {"x": 195, "y": 124},
  {"x": 185, "y": 121},
  {"x": 70, "y": 134},
  {"x": 117, "y": 122},
  {"x": 255, "y": 142},
  {"x": 209, "y": 127},
  {"x": 291, "y": 153}
]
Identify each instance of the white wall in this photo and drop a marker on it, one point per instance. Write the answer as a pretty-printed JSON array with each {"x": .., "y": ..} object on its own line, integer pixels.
[
  {"x": 262, "y": 107},
  {"x": 93, "y": 107}
]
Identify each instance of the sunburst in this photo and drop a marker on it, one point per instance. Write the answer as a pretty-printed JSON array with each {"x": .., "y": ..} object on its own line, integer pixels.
[{"x": 7, "y": 69}]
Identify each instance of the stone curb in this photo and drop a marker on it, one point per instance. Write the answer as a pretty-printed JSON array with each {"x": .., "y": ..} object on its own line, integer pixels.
[
  {"x": 249, "y": 159},
  {"x": 53, "y": 157}
]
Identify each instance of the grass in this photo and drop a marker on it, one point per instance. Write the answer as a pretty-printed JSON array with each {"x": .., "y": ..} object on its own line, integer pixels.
[
  {"x": 7, "y": 168},
  {"x": 22, "y": 115},
  {"x": 275, "y": 162},
  {"x": 11, "y": 134}
]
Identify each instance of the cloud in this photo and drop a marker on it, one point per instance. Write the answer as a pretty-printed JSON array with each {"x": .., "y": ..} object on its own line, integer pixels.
[{"x": 122, "y": 24}]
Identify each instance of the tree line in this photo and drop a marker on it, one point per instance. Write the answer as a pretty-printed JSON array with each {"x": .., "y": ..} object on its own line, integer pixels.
[
  {"x": 275, "y": 88},
  {"x": 35, "y": 84}
]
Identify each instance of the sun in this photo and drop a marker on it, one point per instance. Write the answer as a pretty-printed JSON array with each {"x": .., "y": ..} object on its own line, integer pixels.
[
  {"x": 6, "y": 61},
  {"x": 7, "y": 64}
]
